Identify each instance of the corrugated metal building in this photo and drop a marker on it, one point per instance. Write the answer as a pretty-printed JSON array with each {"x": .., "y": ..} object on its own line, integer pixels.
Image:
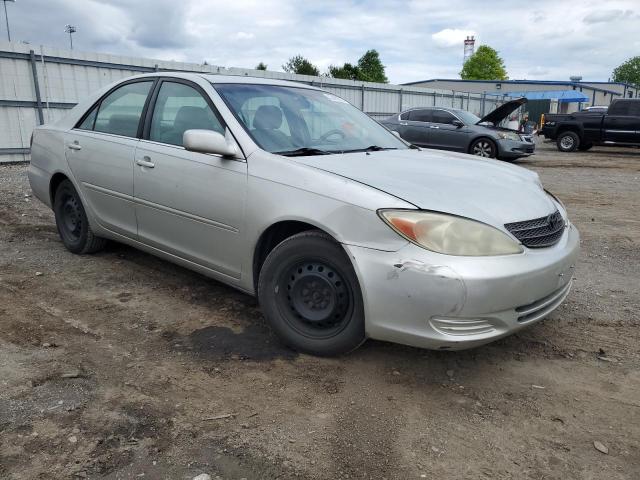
[{"x": 39, "y": 84}]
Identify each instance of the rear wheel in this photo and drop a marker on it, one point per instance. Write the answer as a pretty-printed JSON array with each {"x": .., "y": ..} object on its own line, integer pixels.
[
  {"x": 568, "y": 141},
  {"x": 483, "y": 147},
  {"x": 310, "y": 294},
  {"x": 71, "y": 220}
]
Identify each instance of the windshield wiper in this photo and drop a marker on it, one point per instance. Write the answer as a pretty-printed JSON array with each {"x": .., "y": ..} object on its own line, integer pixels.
[
  {"x": 370, "y": 148},
  {"x": 300, "y": 152}
]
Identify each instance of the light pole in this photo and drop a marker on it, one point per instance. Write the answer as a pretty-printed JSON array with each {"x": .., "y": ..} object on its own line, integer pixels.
[
  {"x": 6, "y": 17},
  {"x": 70, "y": 29}
]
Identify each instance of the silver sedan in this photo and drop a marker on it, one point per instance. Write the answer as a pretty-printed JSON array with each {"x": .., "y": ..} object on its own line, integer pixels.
[{"x": 342, "y": 230}]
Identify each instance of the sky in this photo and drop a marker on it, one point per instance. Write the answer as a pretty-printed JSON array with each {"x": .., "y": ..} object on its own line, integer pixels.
[{"x": 416, "y": 39}]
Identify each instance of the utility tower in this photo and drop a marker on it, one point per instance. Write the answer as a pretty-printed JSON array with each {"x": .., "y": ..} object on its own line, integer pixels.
[{"x": 469, "y": 47}]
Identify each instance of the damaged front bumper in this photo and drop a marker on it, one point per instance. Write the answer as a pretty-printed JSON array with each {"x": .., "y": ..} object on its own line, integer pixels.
[{"x": 417, "y": 297}]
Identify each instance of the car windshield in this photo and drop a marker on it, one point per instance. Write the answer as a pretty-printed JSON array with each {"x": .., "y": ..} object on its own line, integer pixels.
[
  {"x": 301, "y": 121},
  {"x": 467, "y": 117}
]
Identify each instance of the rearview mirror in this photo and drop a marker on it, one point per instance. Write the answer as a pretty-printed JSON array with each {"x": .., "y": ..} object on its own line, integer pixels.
[
  {"x": 208, "y": 141},
  {"x": 457, "y": 123}
]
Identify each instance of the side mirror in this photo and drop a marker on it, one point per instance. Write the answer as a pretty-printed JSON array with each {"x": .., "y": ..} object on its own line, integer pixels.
[
  {"x": 396, "y": 133},
  {"x": 457, "y": 123},
  {"x": 208, "y": 141}
]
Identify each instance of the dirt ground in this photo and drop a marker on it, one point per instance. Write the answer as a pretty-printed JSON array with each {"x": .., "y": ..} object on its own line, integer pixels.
[{"x": 120, "y": 365}]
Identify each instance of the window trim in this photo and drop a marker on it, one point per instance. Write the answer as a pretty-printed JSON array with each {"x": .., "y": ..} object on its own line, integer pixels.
[
  {"x": 98, "y": 103},
  {"x": 146, "y": 128}
]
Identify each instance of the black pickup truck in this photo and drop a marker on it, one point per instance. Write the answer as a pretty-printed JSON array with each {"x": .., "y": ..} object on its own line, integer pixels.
[{"x": 619, "y": 126}]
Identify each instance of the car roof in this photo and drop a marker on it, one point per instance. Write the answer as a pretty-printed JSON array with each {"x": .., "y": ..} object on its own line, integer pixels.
[{"x": 240, "y": 79}]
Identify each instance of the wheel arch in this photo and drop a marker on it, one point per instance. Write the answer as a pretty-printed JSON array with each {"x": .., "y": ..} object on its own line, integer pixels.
[
  {"x": 273, "y": 235},
  {"x": 56, "y": 179},
  {"x": 479, "y": 137}
]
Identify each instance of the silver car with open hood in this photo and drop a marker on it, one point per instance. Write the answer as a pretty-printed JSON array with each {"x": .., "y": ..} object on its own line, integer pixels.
[{"x": 342, "y": 230}]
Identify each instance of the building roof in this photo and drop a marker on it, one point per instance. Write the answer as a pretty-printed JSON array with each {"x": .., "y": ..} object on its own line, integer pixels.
[
  {"x": 560, "y": 95},
  {"x": 583, "y": 84}
]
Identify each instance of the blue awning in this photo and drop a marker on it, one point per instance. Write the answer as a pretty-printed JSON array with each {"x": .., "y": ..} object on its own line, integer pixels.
[{"x": 560, "y": 95}]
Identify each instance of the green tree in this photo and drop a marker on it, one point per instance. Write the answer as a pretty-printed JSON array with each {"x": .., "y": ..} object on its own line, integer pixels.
[
  {"x": 346, "y": 72},
  {"x": 485, "y": 64},
  {"x": 300, "y": 65},
  {"x": 261, "y": 66},
  {"x": 628, "y": 72},
  {"x": 371, "y": 68}
]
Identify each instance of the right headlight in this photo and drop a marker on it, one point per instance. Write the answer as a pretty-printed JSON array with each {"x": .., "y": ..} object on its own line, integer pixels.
[
  {"x": 508, "y": 136},
  {"x": 449, "y": 234}
]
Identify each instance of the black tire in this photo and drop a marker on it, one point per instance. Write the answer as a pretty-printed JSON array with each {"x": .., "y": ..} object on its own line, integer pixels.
[
  {"x": 568, "y": 141},
  {"x": 483, "y": 147},
  {"x": 310, "y": 295},
  {"x": 71, "y": 220},
  {"x": 585, "y": 147}
]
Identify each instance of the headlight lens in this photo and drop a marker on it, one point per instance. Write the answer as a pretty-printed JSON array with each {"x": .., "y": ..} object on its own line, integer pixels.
[
  {"x": 449, "y": 234},
  {"x": 508, "y": 136},
  {"x": 550, "y": 123}
]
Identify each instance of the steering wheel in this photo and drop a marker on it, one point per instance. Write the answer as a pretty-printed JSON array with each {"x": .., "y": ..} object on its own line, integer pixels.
[{"x": 326, "y": 136}]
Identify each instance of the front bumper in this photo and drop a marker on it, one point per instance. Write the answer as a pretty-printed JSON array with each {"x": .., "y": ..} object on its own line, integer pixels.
[
  {"x": 515, "y": 148},
  {"x": 429, "y": 300}
]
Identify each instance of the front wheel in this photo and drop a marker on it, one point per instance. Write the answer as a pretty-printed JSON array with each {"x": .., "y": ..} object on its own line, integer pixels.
[
  {"x": 483, "y": 147},
  {"x": 71, "y": 220},
  {"x": 568, "y": 141},
  {"x": 310, "y": 295}
]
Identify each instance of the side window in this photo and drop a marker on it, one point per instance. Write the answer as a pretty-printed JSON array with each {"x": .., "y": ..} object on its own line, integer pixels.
[
  {"x": 634, "y": 109},
  {"x": 619, "y": 108},
  {"x": 421, "y": 115},
  {"x": 405, "y": 116},
  {"x": 440, "y": 116},
  {"x": 179, "y": 108},
  {"x": 89, "y": 120},
  {"x": 119, "y": 112}
]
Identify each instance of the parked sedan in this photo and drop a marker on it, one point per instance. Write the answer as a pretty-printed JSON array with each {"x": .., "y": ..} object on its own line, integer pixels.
[
  {"x": 342, "y": 230},
  {"x": 462, "y": 131}
]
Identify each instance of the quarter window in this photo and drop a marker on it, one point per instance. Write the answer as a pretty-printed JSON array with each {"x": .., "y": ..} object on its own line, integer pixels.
[
  {"x": 89, "y": 120},
  {"x": 119, "y": 112},
  {"x": 179, "y": 108}
]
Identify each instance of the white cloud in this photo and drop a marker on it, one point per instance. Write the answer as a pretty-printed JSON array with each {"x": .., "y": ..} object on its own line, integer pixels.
[
  {"x": 416, "y": 39},
  {"x": 451, "y": 37}
]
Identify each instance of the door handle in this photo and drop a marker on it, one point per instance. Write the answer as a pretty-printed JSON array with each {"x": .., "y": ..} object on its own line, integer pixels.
[
  {"x": 74, "y": 146},
  {"x": 145, "y": 162}
]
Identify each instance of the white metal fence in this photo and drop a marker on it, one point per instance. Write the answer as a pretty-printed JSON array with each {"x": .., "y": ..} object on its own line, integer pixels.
[{"x": 39, "y": 84}]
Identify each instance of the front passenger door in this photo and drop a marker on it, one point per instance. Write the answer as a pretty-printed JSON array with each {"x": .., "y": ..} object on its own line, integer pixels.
[
  {"x": 187, "y": 203},
  {"x": 445, "y": 135}
]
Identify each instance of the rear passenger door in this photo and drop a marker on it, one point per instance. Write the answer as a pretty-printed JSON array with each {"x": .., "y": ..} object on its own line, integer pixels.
[
  {"x": 188, "y": 204},
  {"x": 416, "y": 128},
  {"x": 100, "y": 151},
  {"x": 622, "y": 123}
]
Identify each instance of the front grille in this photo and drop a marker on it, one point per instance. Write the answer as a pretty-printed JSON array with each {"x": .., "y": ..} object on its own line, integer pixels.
[{"x": 539, "y": 232}]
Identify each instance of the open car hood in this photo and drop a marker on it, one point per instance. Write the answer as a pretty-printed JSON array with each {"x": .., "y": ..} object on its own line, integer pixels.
[{"x": 503, "y": 111}]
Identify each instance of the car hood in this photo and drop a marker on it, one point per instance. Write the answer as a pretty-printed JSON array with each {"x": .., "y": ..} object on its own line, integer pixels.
[
  {"x": 486, "y": 190},
  {"x": 503, "y": 111}
]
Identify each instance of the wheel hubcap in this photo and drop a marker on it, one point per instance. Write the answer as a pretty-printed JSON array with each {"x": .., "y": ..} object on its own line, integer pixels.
[
  {"x": 316, "y": 298},
  {"x": 482, "y": 149},
  {"x": 71, "y": 217},
  {"x": 566, "y": 142}
]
